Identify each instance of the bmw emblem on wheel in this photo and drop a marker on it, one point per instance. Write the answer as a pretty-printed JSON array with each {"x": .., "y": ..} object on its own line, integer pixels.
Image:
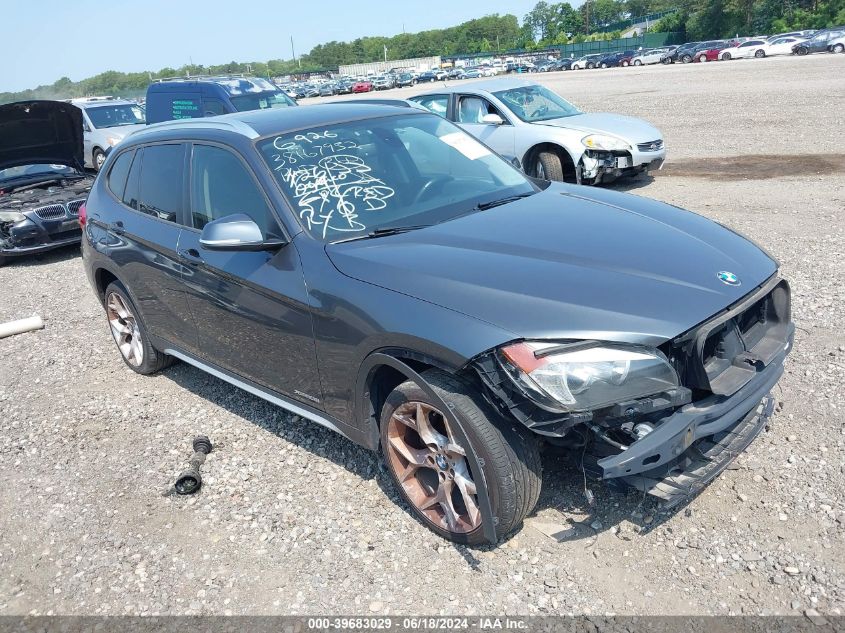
[{"x": 728, "y": 278}]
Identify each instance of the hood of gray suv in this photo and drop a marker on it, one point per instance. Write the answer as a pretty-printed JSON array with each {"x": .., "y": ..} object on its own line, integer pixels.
[
  {"x": 40, "y": 132},
  {"x": 569, "y": 262},
  {"x": 628, "y": 128}
]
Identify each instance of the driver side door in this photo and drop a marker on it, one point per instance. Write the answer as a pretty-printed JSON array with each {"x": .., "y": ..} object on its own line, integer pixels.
[
  {"x": 250, "y": 307},
  {"x": 468, "y": 111}
]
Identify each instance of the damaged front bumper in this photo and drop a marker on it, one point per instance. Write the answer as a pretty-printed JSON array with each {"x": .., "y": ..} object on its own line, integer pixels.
[
  {"x": 35, "y": 235},
  {"x": 689, "y": 448},
  {"x": 605, "y": 166}
]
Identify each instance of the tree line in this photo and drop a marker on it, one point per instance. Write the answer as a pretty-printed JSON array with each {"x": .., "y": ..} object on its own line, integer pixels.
[{"x": 548, "y": 23}]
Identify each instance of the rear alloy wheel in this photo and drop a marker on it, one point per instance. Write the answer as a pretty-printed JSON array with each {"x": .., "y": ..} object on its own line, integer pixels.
[
  {"x": 760, "y": 54},
  {"x": 430, "y": 469},
  {"x": 726, "y": 56},
  {"x": 802, "y": 51},
  {"x": 702, "y": 58},
  {"x": 686, "y": 59},
  {"x": 839, "y": 48},
  {"x": 129, "y": 333},
  {"x": 637, "y": 62},
  {"x": 603, "y": 65}
]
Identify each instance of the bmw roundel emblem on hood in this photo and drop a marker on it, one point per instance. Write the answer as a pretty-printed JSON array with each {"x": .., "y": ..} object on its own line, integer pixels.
[{"x": 728, "y": 278}]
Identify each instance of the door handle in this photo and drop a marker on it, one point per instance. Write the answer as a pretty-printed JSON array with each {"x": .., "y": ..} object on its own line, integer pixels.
[
  {"x": 191, "y": 256},
  {"x": 117, "y": 228}
]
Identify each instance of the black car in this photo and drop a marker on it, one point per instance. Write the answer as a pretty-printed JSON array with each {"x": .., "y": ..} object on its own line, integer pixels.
[
  {"x": 42, "y": 180},
  {"x": 563, "y": 64},
  {"x": 682, "y": 53},
  {"x": 377, "y": 270},
  {"x": 427, "y": 77},
  {"x": 615, "y": 59},
  {"x": 404, "y": 80},
  {"x": 819, "y": 42}
]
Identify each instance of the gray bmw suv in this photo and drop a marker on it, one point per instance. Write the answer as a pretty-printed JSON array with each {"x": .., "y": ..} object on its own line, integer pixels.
[{"x": 375, "y": 269}]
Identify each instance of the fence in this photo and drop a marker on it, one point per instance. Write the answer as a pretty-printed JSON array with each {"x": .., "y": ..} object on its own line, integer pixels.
[
  {"x": 624, "y": 24},
  {"x": 377, "y": 68},
  {"x": 648, "y": 40}
]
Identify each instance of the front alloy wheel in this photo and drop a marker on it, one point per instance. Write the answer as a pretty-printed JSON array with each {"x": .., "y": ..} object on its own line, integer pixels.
[
  {"x": 429, "y": 466},
  {"x": 432, "y": 468}
]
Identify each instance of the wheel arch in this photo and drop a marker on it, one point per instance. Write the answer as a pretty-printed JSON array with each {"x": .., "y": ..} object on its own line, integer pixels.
[
  {"x": 385, "y": 363},
  {"x": 102, "y": 278},
  {"x": 567, "y": 160}
]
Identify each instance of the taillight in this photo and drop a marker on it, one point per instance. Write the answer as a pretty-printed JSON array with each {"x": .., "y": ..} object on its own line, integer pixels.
[{"x": 83, "y": 215}]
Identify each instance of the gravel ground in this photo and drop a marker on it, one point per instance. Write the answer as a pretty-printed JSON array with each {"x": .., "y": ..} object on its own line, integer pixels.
[{"x": 295, "y": 520}]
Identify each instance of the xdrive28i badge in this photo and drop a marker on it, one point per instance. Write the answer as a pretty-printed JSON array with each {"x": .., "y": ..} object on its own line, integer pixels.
[{"x": 728, "y": 278}]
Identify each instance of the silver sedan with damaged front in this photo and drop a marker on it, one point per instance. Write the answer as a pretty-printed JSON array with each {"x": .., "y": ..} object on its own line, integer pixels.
[{"x": 548, "y": 137}]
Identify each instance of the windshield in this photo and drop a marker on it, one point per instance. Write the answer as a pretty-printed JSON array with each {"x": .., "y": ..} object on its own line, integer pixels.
[
  {"x": 352, "y": 179},
  {"x": 28, "y": 171},
  {"x": 263, "y": 100},
  {"x": 536, "y": 103},
  {"x": 115, "y": 115}
]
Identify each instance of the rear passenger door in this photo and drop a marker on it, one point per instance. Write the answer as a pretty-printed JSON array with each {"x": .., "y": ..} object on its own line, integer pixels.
[
  {"x": 250, "y": 308},
  {"x": 143, "y": 234}
]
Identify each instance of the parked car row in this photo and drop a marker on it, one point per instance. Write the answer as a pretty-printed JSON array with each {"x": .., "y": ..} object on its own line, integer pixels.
[{"x": 794, "y": 43}]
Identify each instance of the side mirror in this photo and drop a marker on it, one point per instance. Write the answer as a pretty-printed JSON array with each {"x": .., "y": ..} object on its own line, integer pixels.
[
  {"x": 492, "y": 119},
  {"x": 237, "y": 232}
]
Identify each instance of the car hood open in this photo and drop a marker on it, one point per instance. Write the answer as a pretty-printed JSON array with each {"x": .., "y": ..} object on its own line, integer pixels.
[
  {"x": 568, "y": 263},
  {"x": 40, "y": 132},
  {"x": 629, "y": 128}
]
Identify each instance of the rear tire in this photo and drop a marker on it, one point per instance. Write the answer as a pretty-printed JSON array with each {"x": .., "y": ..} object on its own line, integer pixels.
[
  {"x": 637, "y": 62},
  {"x": 702, "y": 58},
  {"x": 508, "y": 452},
  {"x": 548, "y": 166},
  {"x": 839, "y": 48},
  {"x": 686, "y": 59},
  {"x": 726, "y": 57},
  {"x": 129, "y": 333},
  {"x": 760, "y": 54},
  {"x": 625, "y": 64},
  {"x": 802, "y": 51}
]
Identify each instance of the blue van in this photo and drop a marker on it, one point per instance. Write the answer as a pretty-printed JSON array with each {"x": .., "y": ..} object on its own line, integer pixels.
[{"x": 198, "y": 97}]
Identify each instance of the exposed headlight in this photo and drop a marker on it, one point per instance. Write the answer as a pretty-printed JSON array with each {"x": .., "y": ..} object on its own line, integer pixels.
[
  {"x": 11, "y": 216},
  {"x": 586, "y": 377},
  {"x": 604, "y": 142}
]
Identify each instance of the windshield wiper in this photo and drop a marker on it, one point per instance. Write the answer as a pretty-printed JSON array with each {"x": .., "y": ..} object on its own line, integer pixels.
[
  {"x": 495, "y": 203},
  {"x": 383, "y": 232}
]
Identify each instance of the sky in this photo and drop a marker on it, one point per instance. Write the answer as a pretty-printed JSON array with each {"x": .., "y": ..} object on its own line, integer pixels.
[{"x": 44, "y": 40}]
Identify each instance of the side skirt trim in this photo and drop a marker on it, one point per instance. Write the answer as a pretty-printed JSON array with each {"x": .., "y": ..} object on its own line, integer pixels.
[{"x": 269, "y": 396}]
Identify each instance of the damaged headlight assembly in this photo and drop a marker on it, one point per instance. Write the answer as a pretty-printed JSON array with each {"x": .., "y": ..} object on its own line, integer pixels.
[
  {"x": 605, "y": 142},
  {"x": 11, "y": 217},
  {"x": 586, "y": 376}
]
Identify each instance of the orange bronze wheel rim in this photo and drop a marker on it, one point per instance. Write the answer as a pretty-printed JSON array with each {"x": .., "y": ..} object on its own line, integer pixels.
[{"x": 432, "y": 468}]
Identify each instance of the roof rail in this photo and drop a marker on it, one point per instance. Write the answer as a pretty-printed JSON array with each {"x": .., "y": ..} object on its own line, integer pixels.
[
  {"x": 201, "y": 77},
  {"x": 232, "y": 125}
]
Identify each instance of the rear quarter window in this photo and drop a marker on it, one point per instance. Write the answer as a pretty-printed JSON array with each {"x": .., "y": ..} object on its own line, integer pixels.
[{"x": 119, "y": 173}]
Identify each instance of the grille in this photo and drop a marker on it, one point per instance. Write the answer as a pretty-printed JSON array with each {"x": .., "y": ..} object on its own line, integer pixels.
[
  {"x": 73, "y": 206},
  {"x": 51, "y": 212},
  {"x": 651, "y": 146}
]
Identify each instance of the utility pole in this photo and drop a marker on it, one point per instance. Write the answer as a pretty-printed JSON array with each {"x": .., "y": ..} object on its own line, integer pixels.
[
  {"x": 293, "y": 52},
  {"x": 587, "y": 17},
  {"x": 497, "y": 43},
  {"x": 385, "y": 52}
]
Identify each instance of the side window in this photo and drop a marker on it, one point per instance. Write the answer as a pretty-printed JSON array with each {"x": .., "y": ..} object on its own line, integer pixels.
[
  {"x": 213, "y": 107},
  {"x": 221, "y": 185},
  {"x": 438, "y": 104},
  {"x": 161, "y": 181},
  {"x": 471, "y": 109},
  {"x": 130, "y": 193},
  {"x": 119, "y": 173}
]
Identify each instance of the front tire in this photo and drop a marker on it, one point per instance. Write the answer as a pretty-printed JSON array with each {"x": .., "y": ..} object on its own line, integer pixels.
[
  {"x": 129, "y": 333},
  {"x": 702, "y": 58},
  {"x": 686, "y": 59},
  {"x": 98, "y": 158},
  {"x": 430, "y": 470},
  {"x": 760, "y": 54},
  {"x": 637, "y": 62},
  {"x": 624, "y": 64},
  {"x": 839, "y": 48},
  {"x": 726, "y": 57},
  {"x": 548, "y": 166}
]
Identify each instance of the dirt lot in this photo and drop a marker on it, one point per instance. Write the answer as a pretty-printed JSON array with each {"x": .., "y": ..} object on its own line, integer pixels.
[{"x": 296, "y": 520}]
